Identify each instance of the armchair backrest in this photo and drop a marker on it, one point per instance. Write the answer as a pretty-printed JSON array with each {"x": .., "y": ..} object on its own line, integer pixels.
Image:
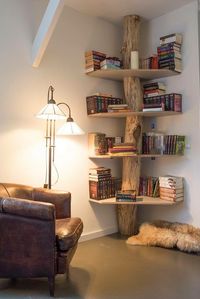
[
  {"x": 16, "y": 190},
  {"x": 60, "y": 199}
]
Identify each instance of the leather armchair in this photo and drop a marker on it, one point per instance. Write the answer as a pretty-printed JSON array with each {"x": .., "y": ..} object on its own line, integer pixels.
[{"x": 38, "y": 236}]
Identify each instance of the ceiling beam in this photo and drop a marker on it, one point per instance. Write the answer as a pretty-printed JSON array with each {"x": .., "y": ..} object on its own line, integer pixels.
[{"x": 45, "y": 30}]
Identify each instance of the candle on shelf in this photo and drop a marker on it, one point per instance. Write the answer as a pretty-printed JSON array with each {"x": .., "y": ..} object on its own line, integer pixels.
[{"x": 134, "y": 60}]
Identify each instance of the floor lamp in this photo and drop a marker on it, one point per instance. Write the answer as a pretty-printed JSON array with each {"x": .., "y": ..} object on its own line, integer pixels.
[{"x": 52, "y": 112}]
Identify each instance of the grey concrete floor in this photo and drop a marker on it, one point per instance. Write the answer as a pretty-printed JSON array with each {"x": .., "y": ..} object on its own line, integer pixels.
[{"x": 107, "y": 268}]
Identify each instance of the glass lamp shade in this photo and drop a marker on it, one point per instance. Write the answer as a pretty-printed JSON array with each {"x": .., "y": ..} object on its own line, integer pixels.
[
  {"x": 52, "y": 112},
  {"x": 70, "y": 128}
]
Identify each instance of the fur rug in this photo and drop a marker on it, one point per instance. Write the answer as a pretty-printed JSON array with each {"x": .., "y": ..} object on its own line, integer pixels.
[{"x": 166, "y": 234}]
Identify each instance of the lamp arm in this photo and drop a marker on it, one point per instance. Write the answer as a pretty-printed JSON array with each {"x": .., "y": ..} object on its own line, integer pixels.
[{"x": 63, "y": 103}]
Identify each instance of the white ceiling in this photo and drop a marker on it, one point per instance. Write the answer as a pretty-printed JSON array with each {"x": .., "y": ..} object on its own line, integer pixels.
[{"x": 114, "y": 10}]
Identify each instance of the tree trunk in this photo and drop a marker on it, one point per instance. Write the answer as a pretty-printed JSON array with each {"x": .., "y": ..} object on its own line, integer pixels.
[{"x": 127, "y": 214}]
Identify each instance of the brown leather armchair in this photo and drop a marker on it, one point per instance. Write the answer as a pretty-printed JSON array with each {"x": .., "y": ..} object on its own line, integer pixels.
[{"x": 38, "y": 236}]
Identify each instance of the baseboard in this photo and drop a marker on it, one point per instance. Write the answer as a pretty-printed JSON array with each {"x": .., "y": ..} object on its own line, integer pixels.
[{"x": 97, "y": 234}]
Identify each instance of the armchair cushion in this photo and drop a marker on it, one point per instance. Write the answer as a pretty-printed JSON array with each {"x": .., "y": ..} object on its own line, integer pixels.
[{"x": 68, "y": 232}]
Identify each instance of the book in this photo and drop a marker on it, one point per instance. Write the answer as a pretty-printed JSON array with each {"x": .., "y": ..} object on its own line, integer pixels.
[
  {"x": 181, "y": 198},
  {"x": 174, "y": 37},
  {"x": 157, "y": 85},
  {"x": 180, "y": 145},
  {"x": 95, "y": 53},
  {"x": 171, "y": 182},
  {"x": 155, "y": 109}
]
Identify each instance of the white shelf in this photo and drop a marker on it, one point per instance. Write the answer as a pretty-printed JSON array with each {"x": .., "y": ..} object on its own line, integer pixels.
[
  {"x": 120, "y": 74},
  {"x": 146, "y": 201},
  {"x": 133, "y": 113},
  {"x": 111, "y": 156}
]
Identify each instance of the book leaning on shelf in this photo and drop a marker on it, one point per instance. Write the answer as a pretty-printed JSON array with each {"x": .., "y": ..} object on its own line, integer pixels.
[
  {"x": 97, "y": 144},
  {"x": 149, "y": 186}
]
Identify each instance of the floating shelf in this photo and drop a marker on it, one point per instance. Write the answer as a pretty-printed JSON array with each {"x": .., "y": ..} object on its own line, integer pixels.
[
  {"x": 111, "y": 156},
  {"x": 133, "y": 113},
  {"x": 120, "y": 74},
  {"x": 146, "y": 201}
]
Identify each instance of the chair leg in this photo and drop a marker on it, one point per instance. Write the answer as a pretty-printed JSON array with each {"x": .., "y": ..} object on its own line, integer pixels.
[{"x": 51, "y": 281}]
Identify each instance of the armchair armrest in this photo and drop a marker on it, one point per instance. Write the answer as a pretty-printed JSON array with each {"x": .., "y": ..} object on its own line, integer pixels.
[
  {"x": 28, "y": 208},
  {"x": 61, "y": 200}
]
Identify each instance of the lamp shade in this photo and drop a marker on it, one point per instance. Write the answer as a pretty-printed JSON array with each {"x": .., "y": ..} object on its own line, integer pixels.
[
  {"x": 52, "y": 112},
  {"x": 70, "y": 128}
]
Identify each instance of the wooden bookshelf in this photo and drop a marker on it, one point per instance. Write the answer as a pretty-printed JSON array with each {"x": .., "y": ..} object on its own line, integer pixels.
[
  {"x": 111, "y": 156},
  {"x": 133, "y": 113},
  {"x": 119, "y": 75},
  {"x": 146, "y": 201}
]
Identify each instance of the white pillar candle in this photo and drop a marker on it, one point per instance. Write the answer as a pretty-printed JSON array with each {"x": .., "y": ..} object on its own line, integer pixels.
[{"x": 134, "y": 60}]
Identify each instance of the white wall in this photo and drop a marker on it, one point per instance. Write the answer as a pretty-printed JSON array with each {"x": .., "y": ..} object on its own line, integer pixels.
[
  {"x": 24, "y": 91},
  {"x": 183, "y": 20}
]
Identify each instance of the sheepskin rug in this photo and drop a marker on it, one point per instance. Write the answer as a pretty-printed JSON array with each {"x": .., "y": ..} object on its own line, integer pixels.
[{"x": 166, "y": 234}]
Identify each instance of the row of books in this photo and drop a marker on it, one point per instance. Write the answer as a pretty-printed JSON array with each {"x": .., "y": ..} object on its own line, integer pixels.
[
  {"x": 171, "y": 188},
  {"x": 98, "y": 103},
  {"x": 100, "y": 144},
  {"x": 169, "y": 52},
  {"x": 149, "y": 186},
  {"x": 149, "y": 62},
  {"x": 164, "y": 102},
  {"x": 95, "y": 60},
  {"x": 101, "y": 183},
  {"x": 166, "y": 187},
  {"x": 161, "y": 144}
]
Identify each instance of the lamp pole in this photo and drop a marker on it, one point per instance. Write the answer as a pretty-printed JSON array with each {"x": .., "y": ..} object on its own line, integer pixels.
[{"x": 51, "y": 112}]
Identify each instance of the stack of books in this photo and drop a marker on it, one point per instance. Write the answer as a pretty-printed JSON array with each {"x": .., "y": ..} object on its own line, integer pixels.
[
  {"x": 119, "y": 108},
  {"x": 161, "y": 144},
  {"x": 169, "y": 52},
  {"x": 126, "y": 196},
  {"x": 171, "y": 188},
  {"x": 101, "y": 184},
  {"x": 153, "y": 89},
  {"x": 99, "y": 103},
  {"x": 149, "y": 186},
  {"x": 110, "y": 63},
  {"x": 93, "y": 60},
  {"x": 110, "y": 141},
  {"x": 123, "y": 149},
  {"x": 163, "y": 102}
]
